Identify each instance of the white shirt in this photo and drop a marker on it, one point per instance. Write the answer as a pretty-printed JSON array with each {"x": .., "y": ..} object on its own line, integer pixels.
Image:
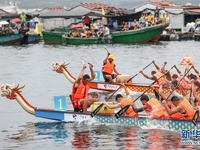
[{"x": 106, "y": 31}]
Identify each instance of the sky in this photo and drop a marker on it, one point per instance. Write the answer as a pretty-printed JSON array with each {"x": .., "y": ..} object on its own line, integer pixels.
[{"x": 72, "y": 3}]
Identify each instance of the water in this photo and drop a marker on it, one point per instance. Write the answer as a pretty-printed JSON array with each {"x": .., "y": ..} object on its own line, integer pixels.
[{"x": 31, "y": 65}]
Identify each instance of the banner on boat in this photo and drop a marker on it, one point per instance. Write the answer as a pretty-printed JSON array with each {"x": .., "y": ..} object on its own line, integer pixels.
[{"x": 108, "y": 86}]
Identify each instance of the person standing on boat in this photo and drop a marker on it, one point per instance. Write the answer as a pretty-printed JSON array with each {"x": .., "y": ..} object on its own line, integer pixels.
[
  {"x": 23, "y": 18},
  {"x": 80, "y": 89},
  {"x": 108, "y": 68},
  {"x": 152, "y": 107},
  {"x": 122, "y": 102}
]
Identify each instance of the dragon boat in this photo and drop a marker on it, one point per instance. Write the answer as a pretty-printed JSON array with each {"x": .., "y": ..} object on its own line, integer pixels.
[
  {"x": 14, "y": 92},
  {"x": 61, "y": 67}
]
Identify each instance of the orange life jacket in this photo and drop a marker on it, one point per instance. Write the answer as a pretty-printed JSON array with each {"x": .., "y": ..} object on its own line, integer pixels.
[
  {"x": 157, "y": 110},
  {"x": 161, "y": 80},
  {"x": 189, "y": 111},
  {"x": 108, "y": 67},
  {"x": 129, "y": 111},
  {"x": 79, "y": 93},
  {"x": 183, "y": 83}
]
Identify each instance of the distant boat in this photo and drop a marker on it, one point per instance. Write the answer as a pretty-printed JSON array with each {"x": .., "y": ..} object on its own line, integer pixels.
[
  {"x": 30, "y": 38},
  {"x": 80, "y": 41},
  {"x": 147, "y": 34},
  {"x": 143, "y": 35},
  {"x": 52, "y": 37},
  {"x": 11, "y": 38}
]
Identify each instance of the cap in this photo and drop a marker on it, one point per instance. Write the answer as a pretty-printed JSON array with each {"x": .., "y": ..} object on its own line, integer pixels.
[{"x": 112, "y": 57}]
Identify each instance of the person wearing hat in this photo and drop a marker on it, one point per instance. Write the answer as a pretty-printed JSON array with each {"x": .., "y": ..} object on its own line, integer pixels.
[{"x": 108, "y": 68}]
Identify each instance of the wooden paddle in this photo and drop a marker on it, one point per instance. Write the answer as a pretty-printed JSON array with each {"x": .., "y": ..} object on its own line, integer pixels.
[
  {"x": 106, "y": 50},
  {"x": 124, "y": 109},
  {"x": 101, "y": 105},
  {"x": 83, "y": 60}
]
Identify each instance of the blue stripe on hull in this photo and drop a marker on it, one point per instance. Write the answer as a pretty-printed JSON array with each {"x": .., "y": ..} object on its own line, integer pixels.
[{"x": 55, "y": 115}]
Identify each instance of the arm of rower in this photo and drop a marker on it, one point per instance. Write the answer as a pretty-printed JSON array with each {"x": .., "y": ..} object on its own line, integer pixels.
[
  {"x": 126, "y": 91},
  {"x": 158, "y": 68},
  {"x": 115, "y": 70},
  {"x": 163, "y": 68},
  {"x": 179, "y": 72},
  {"x": 112, "y": 106},
  {"x": 92, "y": 72},
  {"x": 139, "y": 109},
  {"x": 172, "y": 111},
  {"x": 146, "y": 76},
  {"x": 105, "y": 60},
  {"x": 81, "y": 74},
  {"x": 196, "y": 71}
]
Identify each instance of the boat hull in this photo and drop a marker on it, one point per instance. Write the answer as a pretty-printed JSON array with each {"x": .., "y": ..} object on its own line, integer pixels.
[
  {"x": 30, "y": 39},
  {"x": 52, "y": 37},
  {"x": 148, "y": 34},
  {"x": 143, "y": 121},
  {"x": 105, "y": 86},
  {"x": 82, "y": 41},
  {"x": 11, "y": 38}
]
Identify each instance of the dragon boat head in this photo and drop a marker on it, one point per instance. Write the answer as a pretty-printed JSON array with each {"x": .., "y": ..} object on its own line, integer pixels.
[
  {"x": 58, "y": 66},
  {"x": 9, "y": 90}
]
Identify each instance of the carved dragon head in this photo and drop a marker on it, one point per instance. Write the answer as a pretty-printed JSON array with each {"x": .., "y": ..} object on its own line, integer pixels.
[
  {"x": 9, "y": 90},
  {"x": 58, "y": 66}
]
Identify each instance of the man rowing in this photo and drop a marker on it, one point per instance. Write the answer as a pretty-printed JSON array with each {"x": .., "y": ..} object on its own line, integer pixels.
[
  {"x": 152, "y": 107},
  {"x": 181, "y": 106},
  {"x": 122, "y": 102},
  {"x": 108, "y": 68},
  {"x": 156, "y": 76},
  {"x": 80, "y": 89}
]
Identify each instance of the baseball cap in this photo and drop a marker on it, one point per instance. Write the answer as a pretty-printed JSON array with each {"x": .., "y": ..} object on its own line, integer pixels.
[{"x": 112, "y": 57}]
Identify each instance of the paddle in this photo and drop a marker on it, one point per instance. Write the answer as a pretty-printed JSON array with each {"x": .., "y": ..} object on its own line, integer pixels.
[
  {"x": 86, "y": 62},
  {"x": 106, "y": 50},
  {"x": 195, "y": 117},
  {"x": 124, "y": 109},
  {"x": 101, "y": 105}
]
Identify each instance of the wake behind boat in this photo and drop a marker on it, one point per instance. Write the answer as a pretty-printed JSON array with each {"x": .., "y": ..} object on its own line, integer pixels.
[{"x": 14, "y": 92}]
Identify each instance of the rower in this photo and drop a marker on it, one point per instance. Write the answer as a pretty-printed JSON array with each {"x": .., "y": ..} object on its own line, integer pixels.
[
  {"x": 158, "y": 76},
  {"x": 80, "y": 89},
  {"x": 182, "y": 106},
  {"x": 122, "y": 102},
  {"x": 108, "y": 68},
  {"x": 152, "y": 107},
  {"x": 185, "y": 83},
  {"x": 177, "y": 115}
]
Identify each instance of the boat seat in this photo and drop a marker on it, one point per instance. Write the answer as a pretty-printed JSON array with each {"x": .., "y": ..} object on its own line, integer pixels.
[{"x": 75, "y": 109}]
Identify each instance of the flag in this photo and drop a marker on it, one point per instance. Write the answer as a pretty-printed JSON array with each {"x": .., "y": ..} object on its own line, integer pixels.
[
  {"x": 103, "y": 12},
  {"x": 187, "y": 61}
]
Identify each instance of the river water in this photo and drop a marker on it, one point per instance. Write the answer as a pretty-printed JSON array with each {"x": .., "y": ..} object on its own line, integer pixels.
[{"x": 31, "y": 65}]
